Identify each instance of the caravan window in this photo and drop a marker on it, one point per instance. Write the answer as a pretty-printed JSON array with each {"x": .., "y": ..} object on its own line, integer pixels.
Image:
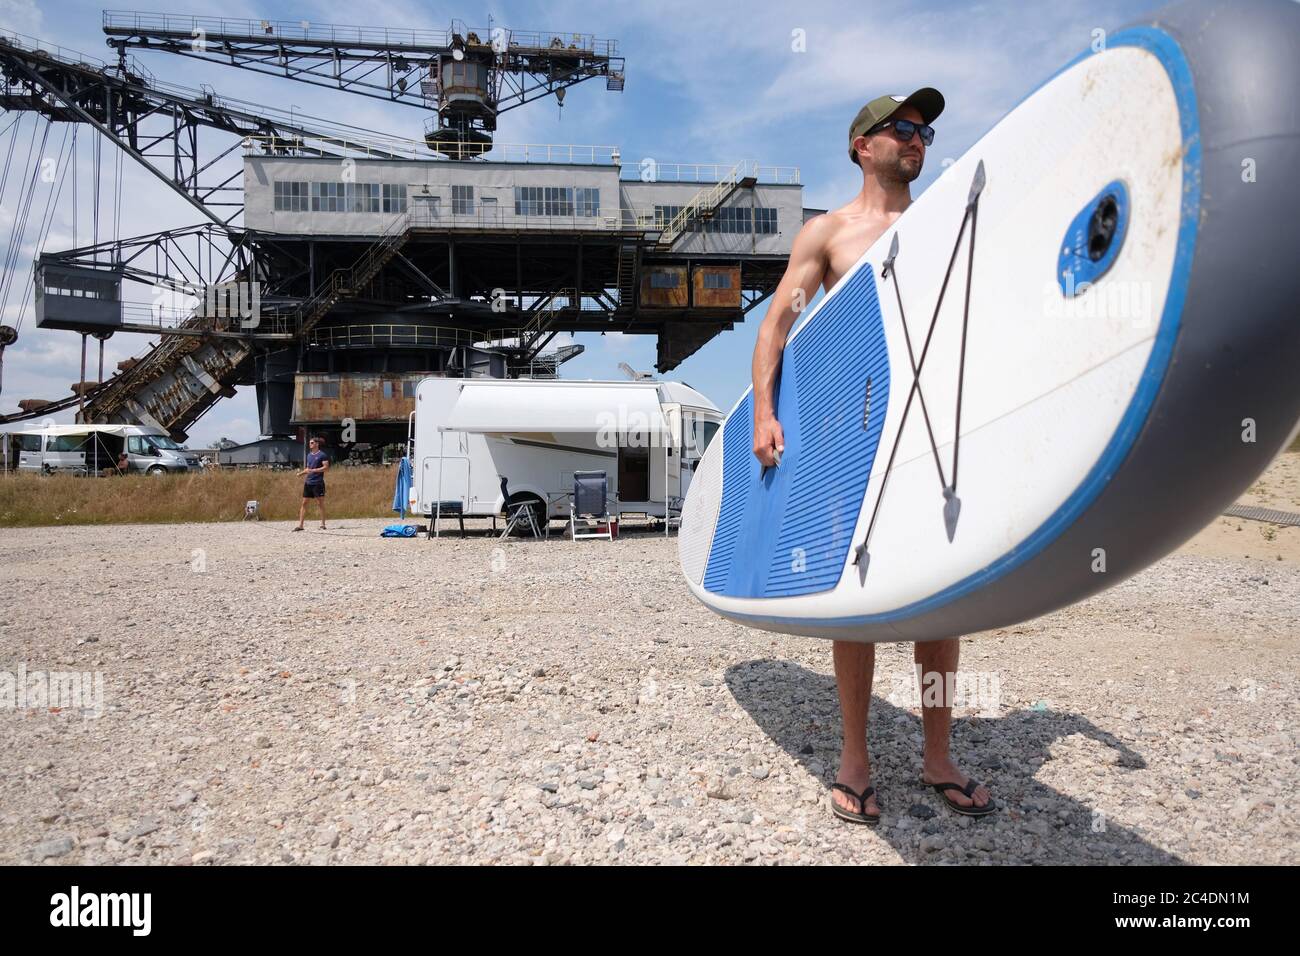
[{"x": 66, "y": 443}]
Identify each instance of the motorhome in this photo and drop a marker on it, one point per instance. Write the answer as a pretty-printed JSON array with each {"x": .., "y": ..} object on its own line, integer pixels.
[
  {"x": 89, "y": 449},
  {"x": 467, "y": 435}
]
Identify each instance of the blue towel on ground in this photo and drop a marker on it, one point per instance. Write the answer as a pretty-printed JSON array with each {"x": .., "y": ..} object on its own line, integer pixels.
[{"x": 399, "y": 531}]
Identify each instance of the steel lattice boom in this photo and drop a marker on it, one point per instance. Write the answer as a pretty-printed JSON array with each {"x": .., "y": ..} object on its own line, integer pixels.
[{"x": 464, "y": 77}]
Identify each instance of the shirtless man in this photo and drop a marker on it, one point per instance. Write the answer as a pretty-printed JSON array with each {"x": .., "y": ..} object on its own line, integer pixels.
[{"x": 887, "y": 140}]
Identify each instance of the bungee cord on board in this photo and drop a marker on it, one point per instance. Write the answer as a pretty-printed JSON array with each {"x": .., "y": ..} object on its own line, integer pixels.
[{"x": 889, "y": 270}]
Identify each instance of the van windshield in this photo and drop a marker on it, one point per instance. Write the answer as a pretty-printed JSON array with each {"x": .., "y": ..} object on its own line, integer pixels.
[{"x": 162, "y": 441}]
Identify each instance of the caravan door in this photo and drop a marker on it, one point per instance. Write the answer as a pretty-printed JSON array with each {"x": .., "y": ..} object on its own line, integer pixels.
[
  {"x": 672, "y": 452},
  {"x": 698, "y": 429},
  {"x": 665, "y": 458},
  {"x": 31, "y": 451},
  {"x": 689, "y": 449},
  {"x": 444, "y": 477},
  {"x": 449, "y": 479}
]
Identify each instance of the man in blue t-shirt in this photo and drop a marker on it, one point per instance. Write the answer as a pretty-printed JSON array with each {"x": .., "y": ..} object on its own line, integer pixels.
[{"x": 314, "y": 486}]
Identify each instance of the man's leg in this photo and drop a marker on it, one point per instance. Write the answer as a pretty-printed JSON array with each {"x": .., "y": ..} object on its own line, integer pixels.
[
  {"x": 940, "y": 658},
  {"x": 855, "y": 663},
  {"x": 302, "y": 512},
  {"x": 320, "y": 501}
]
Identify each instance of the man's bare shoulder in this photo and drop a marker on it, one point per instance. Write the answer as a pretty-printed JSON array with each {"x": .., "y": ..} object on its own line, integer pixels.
[
  {"x": 826, "y": 225},
  {"x": 817, "y": 233}
]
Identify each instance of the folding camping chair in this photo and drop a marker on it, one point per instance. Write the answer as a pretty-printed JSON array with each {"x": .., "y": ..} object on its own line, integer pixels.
[
  {"x": 590, "y": 493},
  {"x": 517, "y": 513},
  {"x": 673, "y": 513}
]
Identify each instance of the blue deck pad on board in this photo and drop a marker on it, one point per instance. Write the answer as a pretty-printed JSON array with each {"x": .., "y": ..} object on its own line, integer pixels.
[{"x": 789, "y": 531}]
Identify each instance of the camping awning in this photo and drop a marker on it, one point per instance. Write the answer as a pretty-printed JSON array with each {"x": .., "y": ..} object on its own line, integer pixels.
[
  {"x": 60, "y": 430},
  {"x": 551, "y": 407}
]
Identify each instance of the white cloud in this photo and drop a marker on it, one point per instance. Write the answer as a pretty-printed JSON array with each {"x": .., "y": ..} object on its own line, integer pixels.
[{"x": 21, "y": 16}]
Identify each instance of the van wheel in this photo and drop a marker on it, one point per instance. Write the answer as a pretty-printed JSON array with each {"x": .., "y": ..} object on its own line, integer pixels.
[
  {"x": 538, "y": 507},
  {"x": 156, "y": 470}
]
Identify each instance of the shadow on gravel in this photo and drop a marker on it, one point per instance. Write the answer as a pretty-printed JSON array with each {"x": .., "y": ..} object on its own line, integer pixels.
[{"x": 799, "y": 710}]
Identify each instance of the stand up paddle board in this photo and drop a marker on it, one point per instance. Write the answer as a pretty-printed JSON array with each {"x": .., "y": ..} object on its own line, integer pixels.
[{"x": 1075, "y": 349}]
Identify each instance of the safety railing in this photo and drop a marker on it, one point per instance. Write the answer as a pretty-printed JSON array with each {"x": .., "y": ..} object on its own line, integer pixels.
[
  {"x": 118, "y": 21},
  {"x": 648, "y": 170},
  {"x": 565, "y": 153},
  {"x": 71, "y": 57},
  {"x": 425, "y": 215},
  {"x": 256, "y": 320},
  {"x": 389, "y": 335},
  {"x": 569, "y": 154}
]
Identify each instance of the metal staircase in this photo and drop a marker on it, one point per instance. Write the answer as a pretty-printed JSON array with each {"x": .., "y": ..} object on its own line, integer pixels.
[
  {"x": 537, "y": 333},
  {"x": 626, "y": 278},
  {"x": 533, "y": 335},
  {"x": 351, "y": 280},
  {"x": 704, "y": 204}
]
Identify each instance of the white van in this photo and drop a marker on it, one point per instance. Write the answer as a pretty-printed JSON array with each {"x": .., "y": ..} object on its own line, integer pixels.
[
  {"x": 86, "y": 449},
  {"x": 465, "y": 435}
]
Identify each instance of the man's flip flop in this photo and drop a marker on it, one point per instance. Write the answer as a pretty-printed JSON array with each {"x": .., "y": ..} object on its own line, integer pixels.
[
  {"x": 870, "y": 819},
  {"x": 967, "y": 791}
]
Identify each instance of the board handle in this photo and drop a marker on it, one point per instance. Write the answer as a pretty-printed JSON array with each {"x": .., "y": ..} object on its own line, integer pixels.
[{"x": 762, "y": 472}]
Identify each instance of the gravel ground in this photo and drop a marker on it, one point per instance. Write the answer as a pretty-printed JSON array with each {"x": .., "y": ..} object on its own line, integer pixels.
[{"x": 337, "y": 697}]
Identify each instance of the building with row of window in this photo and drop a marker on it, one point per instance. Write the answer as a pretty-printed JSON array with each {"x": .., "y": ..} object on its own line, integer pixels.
[{"x": 306, "y": 196}]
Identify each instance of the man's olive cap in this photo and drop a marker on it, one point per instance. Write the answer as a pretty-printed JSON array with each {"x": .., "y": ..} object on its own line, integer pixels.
[{"x": 927, "y": 100}]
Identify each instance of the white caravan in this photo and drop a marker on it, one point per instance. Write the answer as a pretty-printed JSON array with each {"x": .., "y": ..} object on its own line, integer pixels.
[{"x": 468, "y": 434}]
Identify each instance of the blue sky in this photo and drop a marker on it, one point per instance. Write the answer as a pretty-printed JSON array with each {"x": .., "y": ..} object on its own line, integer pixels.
[{"x": 707, "y": 82}]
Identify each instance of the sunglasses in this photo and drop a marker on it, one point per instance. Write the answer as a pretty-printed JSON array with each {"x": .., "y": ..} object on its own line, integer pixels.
[{"x": 905, "y": 129}]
